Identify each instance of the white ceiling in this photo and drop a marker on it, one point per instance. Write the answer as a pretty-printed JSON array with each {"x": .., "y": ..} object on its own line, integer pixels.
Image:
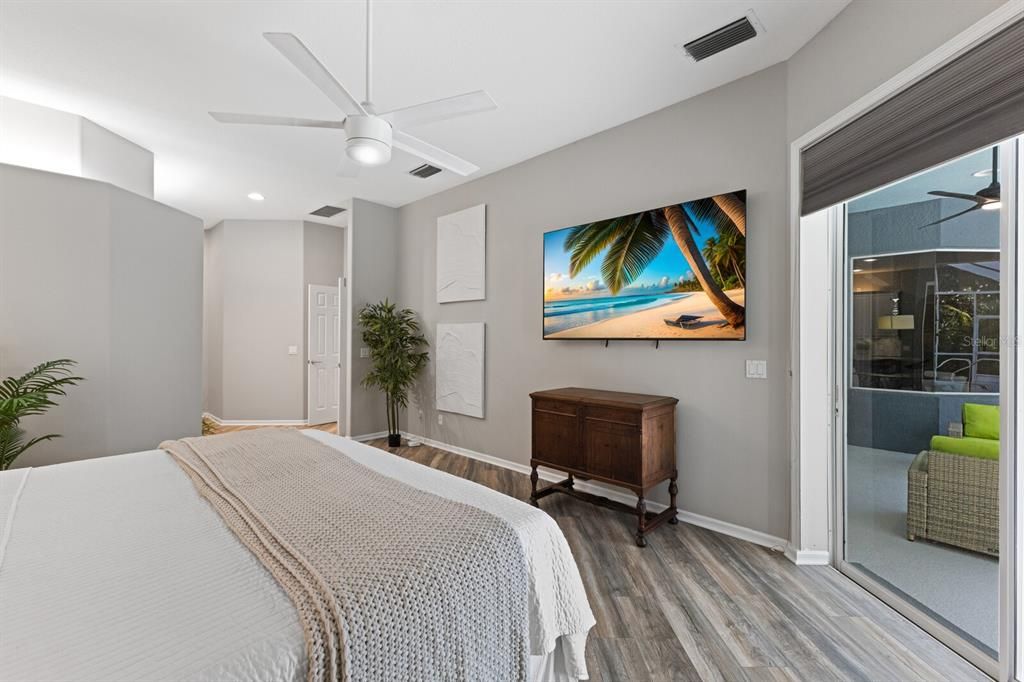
[{"x": 559, "y": 70}]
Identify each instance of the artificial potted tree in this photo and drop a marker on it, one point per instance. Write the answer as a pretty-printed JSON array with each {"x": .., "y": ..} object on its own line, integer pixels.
[
  {"x": 31, "y": 394},
  {"x": 397, "y": 355}
]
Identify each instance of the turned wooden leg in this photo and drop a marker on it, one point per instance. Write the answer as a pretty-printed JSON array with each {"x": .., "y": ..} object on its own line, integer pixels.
[
  {"x": 673, "y": 490},
  {"x": 570, "y": 482},
  {"x": 533, "y": 485},
  {"x": 641, "y": 523}
]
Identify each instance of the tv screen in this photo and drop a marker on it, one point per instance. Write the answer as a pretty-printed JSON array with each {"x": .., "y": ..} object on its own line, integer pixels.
[{"x": 674, "y": 272}]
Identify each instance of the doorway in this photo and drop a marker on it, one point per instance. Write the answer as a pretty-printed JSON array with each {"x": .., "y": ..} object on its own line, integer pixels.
[
  {"x": 323, "y": 355},
  {"x": 923, "y": 368}
]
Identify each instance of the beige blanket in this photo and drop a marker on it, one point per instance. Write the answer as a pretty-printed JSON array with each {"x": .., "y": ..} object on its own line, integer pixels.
[{"x": 390, "y": 582}]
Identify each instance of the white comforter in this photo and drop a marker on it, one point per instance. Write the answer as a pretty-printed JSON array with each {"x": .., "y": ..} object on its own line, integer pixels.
[{"x": 115, "y": 569}]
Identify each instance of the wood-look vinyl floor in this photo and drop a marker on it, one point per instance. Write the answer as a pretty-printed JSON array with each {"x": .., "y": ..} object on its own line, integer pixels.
[{"x": 697, "y": 605}]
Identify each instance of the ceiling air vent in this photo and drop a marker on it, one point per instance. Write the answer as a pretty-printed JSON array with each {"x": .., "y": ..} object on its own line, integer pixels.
[
  {"x": 720, "y": 39},
  {"x": 425, "y": 171},
  {"x": 327, "y": 211}
]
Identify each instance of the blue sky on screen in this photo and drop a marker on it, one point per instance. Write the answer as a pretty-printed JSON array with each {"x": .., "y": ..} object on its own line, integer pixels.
[{"x": 664, "y": 271}]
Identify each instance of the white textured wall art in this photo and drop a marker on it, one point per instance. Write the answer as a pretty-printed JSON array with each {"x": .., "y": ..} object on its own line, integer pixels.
[
  {"x": 461, "y": 240},
  {"x": 459, "y": 379}
]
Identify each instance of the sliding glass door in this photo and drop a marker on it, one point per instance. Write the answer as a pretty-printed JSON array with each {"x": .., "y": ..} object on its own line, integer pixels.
[{"x": 922, "y": 340}]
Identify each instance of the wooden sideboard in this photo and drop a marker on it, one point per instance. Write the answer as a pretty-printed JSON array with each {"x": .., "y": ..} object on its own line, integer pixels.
[{"x": 626, "y": 439}]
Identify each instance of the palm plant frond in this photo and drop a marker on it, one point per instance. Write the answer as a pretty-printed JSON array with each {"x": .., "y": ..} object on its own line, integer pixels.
[
  {"x": 29, "y": 395},
  {"x": 395, "y": 342}
]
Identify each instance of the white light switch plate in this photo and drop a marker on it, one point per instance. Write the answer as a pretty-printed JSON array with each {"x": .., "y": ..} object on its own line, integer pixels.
[
  {"x": 293, "y": 350},
  {"x": 757, "y": 369},
  {"x": 364, "y": 352}
]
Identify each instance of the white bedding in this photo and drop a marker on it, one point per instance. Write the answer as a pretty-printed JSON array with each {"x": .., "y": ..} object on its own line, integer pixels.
[{"x": 115, "y": 569}]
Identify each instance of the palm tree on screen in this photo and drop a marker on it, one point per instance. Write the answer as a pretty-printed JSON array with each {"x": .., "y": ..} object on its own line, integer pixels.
[
  {"x": 735, "y": 208},
  {"x": 631, "y": 242},
  {"x": 727, "y": 255}
]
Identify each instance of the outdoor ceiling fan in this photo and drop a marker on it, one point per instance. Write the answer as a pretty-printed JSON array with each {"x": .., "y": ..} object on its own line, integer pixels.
[
  {"x": 369, "y": 135},
  {"x": 987, "y": 198}
]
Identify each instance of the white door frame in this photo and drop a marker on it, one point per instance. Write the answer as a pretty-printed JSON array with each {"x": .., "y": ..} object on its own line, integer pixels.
[
  {"x": 1011, "y": 397},
  {"x": 812, "y": 474},
  {"x": 311, "y": 289}
]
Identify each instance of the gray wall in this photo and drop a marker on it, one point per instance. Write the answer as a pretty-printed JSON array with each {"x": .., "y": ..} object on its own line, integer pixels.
[
  {"x": 872, "y": 414},
  {"x": 375, "y": 276},
  {"x": 733, "y": 433},
  {"x": 114, "y": 281},
  {"x": 868, "y": 43},
  {"x": 896, "y": 229},
  {"x": 257, "y": 273},
  {"x": 260, "y": 270},
  {"x": 213, "y": 320}
]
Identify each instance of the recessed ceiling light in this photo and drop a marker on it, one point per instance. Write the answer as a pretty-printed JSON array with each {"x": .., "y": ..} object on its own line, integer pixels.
[
  {"x": 858, "y": 269},
  {"x": 982, "y": 173},
  {"x": 255, "y": 196},
  {"x": 870, "y": 260}
]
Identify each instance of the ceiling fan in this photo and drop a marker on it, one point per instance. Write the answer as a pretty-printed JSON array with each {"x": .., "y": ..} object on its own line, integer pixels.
[
  {"x": 986, "y": 198},
  {"x": 369, "y": 135}
]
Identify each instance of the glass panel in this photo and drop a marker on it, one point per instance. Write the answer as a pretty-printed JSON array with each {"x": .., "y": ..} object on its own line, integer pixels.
[{"x": 922, "y": 340}]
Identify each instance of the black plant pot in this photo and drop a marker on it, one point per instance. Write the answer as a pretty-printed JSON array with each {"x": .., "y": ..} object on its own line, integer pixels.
[{"x": 394, "y": 440}]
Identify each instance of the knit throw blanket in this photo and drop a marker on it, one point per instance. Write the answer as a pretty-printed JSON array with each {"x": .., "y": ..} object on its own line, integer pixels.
[{"x": 390, "y": 582}]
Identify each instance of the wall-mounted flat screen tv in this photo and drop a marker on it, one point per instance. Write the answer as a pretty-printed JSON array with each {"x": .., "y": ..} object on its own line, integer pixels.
[{"x": 674, "y": 272}]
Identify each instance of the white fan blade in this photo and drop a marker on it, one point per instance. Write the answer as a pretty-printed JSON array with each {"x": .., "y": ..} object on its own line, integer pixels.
[
  {"x": 259, "y": 119},
  {"x": 432, "y": 154},
  {"x": 295, "y": 51},
  {"x": 441, "y": 109},
  {"x": 348, "y": 168}
]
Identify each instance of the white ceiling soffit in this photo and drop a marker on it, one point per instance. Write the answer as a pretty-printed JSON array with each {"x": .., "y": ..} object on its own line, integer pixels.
[{"x": 559, "y": 71}]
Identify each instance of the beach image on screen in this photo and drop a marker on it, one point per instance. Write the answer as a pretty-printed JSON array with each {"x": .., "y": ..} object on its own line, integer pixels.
[{"x": 675, "y": 272}]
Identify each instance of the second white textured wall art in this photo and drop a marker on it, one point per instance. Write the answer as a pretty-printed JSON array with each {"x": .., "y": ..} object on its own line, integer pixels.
[
  {"x": 461, "y": 242},
  {"x": 459, "y": 377}
]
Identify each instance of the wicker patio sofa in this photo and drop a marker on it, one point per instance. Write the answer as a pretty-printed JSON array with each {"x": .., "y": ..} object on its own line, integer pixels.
[{"x": 953, "y": 497}]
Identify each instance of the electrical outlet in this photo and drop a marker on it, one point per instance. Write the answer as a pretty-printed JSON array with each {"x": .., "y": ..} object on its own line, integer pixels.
[
  {"x": 293, "y": 350},
  {"x": 757, "y": 369},
  {"x": 364, "y": 352},
  {"x": 440, "y": 419}
]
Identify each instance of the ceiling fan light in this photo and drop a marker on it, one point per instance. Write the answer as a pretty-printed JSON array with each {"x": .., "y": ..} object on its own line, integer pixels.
[
  {"x": 369, "y": 140},
  {"x": 367, "y": 151},
  {"x": 992, "y": 206}
]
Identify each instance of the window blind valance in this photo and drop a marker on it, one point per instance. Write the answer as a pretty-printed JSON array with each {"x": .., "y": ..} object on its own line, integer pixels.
[{"x": 975, "y": 100}]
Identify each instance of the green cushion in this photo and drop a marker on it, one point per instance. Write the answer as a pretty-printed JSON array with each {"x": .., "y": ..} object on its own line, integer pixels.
[
  {"x": 981, "y": 421},
  {"x": 982, "y": 448}
]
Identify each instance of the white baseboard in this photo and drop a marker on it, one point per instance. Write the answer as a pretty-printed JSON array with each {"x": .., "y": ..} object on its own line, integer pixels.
[
  {"x": 253, "y": 422},
  {"x": 370, "y": 436},
  {"x": 616, "y": 494},
  {"x": 808, "y": 557},
  {"x": 733, "y": 530}
]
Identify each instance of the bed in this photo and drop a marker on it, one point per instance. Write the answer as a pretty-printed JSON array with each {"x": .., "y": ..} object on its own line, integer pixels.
[{"x": 117, "y": 569}]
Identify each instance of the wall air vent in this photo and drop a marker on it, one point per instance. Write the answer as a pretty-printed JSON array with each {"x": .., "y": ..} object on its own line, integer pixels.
[
  {"x": 720, "y": 39},
  {"x": 327, "y": 211},
  {"x": 425, "y": 171}
]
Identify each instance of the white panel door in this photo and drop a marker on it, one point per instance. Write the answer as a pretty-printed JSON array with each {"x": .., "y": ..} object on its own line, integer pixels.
[{"x": 323, "y": 355}]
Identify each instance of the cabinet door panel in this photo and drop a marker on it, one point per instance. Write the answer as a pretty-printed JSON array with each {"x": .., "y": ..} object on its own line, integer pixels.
[
  {"x": 556, "y": 439},
  {"x": 613, "y": 450}
]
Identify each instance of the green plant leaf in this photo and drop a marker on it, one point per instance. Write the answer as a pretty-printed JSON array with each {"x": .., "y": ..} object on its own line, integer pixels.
[
  {"x": 31, "y": 394},
  {"x": 396, "y": 356}
]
